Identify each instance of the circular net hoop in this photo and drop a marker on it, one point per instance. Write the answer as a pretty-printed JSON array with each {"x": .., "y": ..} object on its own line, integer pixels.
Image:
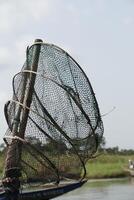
[{"x": 64, "y": 126}]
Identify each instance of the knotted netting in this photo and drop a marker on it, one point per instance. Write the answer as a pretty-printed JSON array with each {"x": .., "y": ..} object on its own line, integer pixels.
[{"x": 63, "y": 125}]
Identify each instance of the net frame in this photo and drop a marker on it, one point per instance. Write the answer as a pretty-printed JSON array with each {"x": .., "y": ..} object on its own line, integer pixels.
[{"x": 82, "y": 155}]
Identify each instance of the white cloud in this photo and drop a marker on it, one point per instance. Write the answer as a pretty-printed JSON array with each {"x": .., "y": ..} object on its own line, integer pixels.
[
  {"x": 100, "y": 4},
  {"x": 20, "y": 47},
  {"x": 19, "y": 24},
  {"x": 32, "y": 9},
  {"x": 5, "y": 18},
  {"x": 3, "y": 96},
  {"x": 38, "y": 9},
  {"x": 15, "y": 14},
  {"x": 5, "y": 56},
  {"x": 128, "y": 20}
]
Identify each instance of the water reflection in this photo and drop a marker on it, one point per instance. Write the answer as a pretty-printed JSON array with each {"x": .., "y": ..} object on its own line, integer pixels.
[{"x": 117, "y": 189}]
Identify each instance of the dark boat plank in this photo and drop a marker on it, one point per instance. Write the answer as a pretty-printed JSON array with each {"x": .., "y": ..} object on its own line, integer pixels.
[{"x": 46, "y": 194}]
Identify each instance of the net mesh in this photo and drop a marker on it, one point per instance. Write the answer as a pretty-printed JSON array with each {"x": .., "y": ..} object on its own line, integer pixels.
[{"x": 64, "y": 125}]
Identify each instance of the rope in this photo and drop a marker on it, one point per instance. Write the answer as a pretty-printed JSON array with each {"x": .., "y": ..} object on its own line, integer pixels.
[{"x": 16, "y": 138}]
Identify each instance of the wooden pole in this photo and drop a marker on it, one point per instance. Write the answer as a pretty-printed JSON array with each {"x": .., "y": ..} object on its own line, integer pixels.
[{"x": 12, "y": 165}]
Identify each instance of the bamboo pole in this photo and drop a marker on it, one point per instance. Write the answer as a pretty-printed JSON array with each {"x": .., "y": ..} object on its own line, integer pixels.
[{"x": 12, "y": 165}]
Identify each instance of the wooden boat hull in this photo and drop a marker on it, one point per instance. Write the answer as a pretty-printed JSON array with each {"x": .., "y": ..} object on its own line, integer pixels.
[{"x": 46, "y": 193}]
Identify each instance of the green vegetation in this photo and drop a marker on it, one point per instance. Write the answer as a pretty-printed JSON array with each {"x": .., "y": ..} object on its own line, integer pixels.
[
  {"x": 104, "y": 166},
  {"x": 108, "y": 166},
  {"x": 1, "y": 163}
]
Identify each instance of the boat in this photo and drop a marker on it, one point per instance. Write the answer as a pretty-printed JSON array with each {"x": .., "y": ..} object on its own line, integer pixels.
[{"x": 54, "y": 126}]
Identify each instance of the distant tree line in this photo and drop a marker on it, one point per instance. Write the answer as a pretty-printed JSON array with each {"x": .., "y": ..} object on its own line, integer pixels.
[
  {"x": 114, "y": 150},
  {"x": 61, "y": 146}
]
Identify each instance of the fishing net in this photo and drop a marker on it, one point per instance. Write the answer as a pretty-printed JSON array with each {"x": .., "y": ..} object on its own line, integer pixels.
[{"x": 63, "y": 126}]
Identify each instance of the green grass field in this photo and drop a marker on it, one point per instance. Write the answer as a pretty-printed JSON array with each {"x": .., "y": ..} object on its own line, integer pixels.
[
  {"x": 104, "y": 166},
  {"x": 1, "y": 164},
  {"x": 108, "y": 166}
]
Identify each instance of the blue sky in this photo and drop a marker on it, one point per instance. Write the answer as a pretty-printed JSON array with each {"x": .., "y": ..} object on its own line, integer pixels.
[{"x": 99, "y": 34}]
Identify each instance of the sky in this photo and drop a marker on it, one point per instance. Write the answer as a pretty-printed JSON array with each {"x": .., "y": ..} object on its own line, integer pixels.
[{"x": 98, "y": 34}]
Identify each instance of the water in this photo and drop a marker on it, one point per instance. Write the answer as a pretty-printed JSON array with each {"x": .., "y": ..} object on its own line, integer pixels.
[{"x": 117, "y": 189}]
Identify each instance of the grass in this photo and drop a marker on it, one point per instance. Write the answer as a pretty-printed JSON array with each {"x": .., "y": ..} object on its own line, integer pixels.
[
  {"x": 104, "y": 166},
  {"x": 1, "y": 163},
  {"x": 108, "y": 166}
]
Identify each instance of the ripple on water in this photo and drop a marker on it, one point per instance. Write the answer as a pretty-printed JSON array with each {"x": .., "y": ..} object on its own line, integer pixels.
[{"x": 117, "y": 189}]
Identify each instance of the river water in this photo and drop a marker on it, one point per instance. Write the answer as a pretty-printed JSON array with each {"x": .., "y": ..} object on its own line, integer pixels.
[{"x": 117, "y": 189}]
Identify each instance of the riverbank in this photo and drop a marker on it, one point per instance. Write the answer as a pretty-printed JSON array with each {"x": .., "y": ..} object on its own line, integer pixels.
[
  {"x": 104, "y": 166},
  {"x": 108, "y": 166}
]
